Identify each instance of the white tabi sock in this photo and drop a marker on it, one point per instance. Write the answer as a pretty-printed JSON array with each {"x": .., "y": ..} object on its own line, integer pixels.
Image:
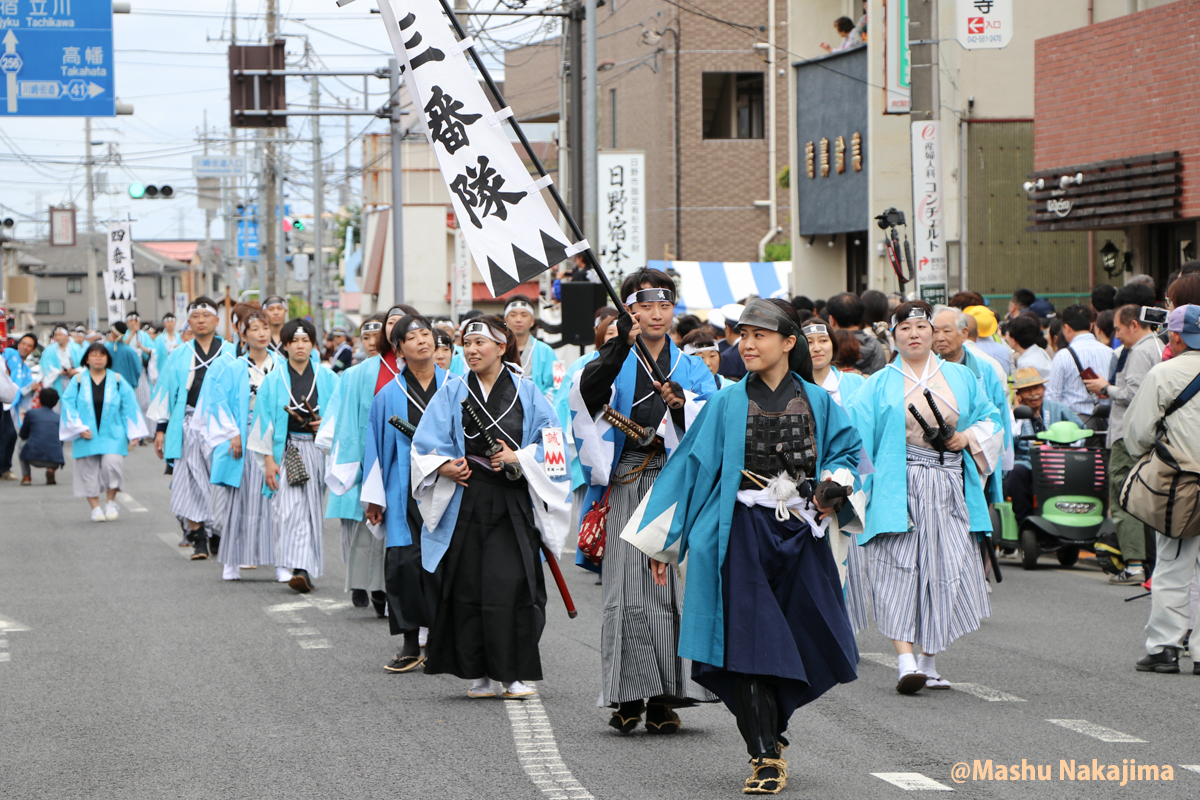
[
  {"x": 926, "y": 666},
  {"x": 907, "y": 663},
  {"x": 283, "y": 574},
  {"x": 230, "y": 573}
]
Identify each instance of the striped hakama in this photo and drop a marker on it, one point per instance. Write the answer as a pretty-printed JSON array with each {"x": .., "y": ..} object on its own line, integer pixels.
[
  {"x": 928, "y": 582},
  {"x": 191, "y": 491},
  {"x": 298, "y": 512},
  {"x": 244, "y": 517},
  {"x": 639, "y": 637},
  {"x": 142, "y": 392},
  {"x": 858, "y": 587},
  {"x": 363, "y": 554}
]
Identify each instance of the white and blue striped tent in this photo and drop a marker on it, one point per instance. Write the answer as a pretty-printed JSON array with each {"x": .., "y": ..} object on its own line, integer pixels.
[{"x": 704, "y": 285}]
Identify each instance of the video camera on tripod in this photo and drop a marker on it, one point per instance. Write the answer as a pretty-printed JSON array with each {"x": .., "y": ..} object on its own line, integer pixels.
[{"x": 888, "y": 221}]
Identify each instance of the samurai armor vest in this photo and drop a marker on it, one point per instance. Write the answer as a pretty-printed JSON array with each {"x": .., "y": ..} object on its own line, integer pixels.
[{"x": 781, "y": 442}]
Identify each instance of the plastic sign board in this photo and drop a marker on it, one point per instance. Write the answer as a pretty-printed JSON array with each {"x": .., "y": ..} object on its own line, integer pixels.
[
  {"x": 217, "y": 166},
  {"x": 56, "y": 58},
  {"x": 984, "y": 24},
  {"x": 928, "y": 227},
  {"x": 897, "y": 68}
]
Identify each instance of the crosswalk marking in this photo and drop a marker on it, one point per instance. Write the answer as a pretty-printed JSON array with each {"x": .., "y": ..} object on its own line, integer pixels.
[
  {"x": 912, "y": 781},
  {"x": 131, "y": 504},
  {"x": 1095, "y": 731},
  {"x": 987, "y": 693}
]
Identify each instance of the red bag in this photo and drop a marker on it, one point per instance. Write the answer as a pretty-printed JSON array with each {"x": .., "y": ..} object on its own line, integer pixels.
[{"x": 592, "y": 534}]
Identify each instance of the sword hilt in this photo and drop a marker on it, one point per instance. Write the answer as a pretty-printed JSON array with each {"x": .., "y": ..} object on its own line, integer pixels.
[
  {"x": 511, "y": 471},
  {"x": 643, "y": 436},
  {"x": 404, "y": 426}
]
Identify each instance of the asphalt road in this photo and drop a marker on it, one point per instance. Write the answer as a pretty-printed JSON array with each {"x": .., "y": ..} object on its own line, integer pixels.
[{"x": 128, "y": 671}]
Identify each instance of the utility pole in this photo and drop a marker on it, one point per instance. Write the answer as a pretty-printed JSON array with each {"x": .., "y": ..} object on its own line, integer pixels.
[
  {"x": 316, "y": 272},
  {"x": 925, "y": 118},
  {"x": 208, "y": 218},
  {"x": 397, "y": 185},
  {"x": 93, "y": 312},
  {"x": 591, "y": 117},
  {"x": 575, "y": 143},
  {"x": 266, "y": 249}
]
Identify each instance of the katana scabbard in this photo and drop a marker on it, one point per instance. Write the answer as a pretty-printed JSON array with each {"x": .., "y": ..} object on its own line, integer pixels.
[
  {"x": 511, "y": 471},
  {"x": 643, "y": 436},
  {"x": 404, "y": 426}
]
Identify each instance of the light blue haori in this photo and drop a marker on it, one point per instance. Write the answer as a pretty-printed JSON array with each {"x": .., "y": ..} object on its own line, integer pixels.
[
  {"x": 269, "y": 423},
  {"x": 125, "y": 361},
  {"x": 600, "y": 445},
  {"x": 440, "y": 438},
  {"x": 54, "y": 362},
  {"x": 223, "y": 413},
  {"x": 997, "y": 392},
  {"x": 387, "y": 460},
  {"x": 120, "y": 418},
  {"x": 880, "y": 409},
  {"x": 164, "y": 345},
  {"x": 541, "y": 367},
  {"x": 169, "y": 402},
  {"x": 685, "y": 518}
]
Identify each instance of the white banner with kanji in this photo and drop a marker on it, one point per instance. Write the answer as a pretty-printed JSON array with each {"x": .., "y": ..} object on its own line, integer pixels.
[
  {"x": 118, "y": 271},
  {"x": 499, "y": 205}
]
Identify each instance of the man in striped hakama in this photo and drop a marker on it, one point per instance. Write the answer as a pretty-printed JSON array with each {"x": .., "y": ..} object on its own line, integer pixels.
[
  {"x": 925, "y": 573},
  {"x": 287, "y": 413},
  {"x": 174, "y": 402},
  {"x": 640, "y": 666}
]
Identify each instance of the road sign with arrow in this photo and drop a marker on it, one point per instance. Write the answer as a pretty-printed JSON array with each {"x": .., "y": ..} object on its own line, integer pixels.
[{"x": 57, "y": 59}]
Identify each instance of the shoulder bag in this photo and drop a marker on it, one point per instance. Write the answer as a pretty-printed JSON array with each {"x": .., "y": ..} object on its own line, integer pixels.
[{"x": 1163, "y": 488}]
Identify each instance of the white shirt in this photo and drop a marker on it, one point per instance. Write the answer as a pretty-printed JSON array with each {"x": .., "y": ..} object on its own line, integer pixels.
[{"x": 1065, "y": 385}]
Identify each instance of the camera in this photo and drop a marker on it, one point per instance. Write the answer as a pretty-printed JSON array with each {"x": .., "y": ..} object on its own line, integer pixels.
[
  {"x": 1153, "y": 316},
  {"x": 890, "y": 218}
]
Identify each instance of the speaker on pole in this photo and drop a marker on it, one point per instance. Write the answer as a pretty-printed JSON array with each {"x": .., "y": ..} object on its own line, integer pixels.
[{"x": 580, "y": 302}]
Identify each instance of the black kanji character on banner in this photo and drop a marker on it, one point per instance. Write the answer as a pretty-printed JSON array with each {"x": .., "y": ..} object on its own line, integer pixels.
[
  {"x": 118, "y": 256},
  {"x": 430, "y": 54},
  {"x": 119, "y": 275},
  {"x": 482, "y": 191},
  {"x": 446, "y": 124},
  {"x": 118, "y": 235}
]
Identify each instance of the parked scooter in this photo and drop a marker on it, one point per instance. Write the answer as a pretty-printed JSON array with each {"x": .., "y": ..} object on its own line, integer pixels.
[{"x": 1070, "y": 494}]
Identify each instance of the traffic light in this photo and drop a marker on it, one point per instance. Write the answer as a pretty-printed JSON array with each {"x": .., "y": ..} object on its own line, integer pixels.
[
  {"x": 139, "y": 191},
  {"x": 297, "y": 225}
]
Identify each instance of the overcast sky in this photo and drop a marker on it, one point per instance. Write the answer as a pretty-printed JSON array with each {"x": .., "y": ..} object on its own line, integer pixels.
[{"x": 171, "y": 65}]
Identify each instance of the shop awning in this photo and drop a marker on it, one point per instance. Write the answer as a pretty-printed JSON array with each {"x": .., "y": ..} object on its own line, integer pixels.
[{"x": 704, "y": 285}]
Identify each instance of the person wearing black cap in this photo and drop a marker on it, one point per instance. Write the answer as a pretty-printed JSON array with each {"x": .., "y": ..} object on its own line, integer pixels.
[
  {"x": 276, "y": 309},
  {"x": 755, "y": 500},
  {"x": 641, "y": 670}
]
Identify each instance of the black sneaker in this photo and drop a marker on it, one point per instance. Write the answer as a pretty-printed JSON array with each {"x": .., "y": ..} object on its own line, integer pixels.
[
  {"x": 214, "y": 544},
  {"x": 359, "y": 598},
  {"x": 1165, "y": 660},
  {"x": 379, "y": 601}
]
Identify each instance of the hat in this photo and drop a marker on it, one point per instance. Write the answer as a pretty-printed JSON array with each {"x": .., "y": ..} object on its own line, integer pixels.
[
  {"x": 1026, "y": 377},
  {"x": 1043, "y": 308},
  {"x": 986, "y": 319},
  {"x": 716, "y": 319},
  {"x": 732, "y": 312},
  {"x": 1185, "y": 320}
]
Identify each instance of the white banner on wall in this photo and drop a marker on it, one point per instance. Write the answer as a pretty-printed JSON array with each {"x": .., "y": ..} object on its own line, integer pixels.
[
  {"x": 929, "y": 235},
  {"x": 621, "y": 205},
  {"x": 118, "y": 271},
  {"x": 508, "y": 227}
]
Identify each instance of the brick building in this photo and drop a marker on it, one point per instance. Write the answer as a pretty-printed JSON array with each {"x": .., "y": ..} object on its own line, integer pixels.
[
  {"x": 694, "y": 94},
  {"x": 1117, "y": 138}
]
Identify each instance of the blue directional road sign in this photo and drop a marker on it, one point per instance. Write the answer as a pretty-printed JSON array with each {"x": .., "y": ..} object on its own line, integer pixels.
[{"x": 56, "y": 58}]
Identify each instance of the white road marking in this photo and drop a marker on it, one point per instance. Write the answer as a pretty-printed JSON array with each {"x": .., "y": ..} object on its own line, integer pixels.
[
  {"x": 314, "y": 644},
  {"x": 976, "y": 689},
  {"x": 9, "y": 626},
  {"x": 1095, "y": 731},
  {"x": 881, "y": 659},
  {"x": 5, "y": 656},
  {"x": 1192, "y": 767},
  {"x": 170, "y": 539},
  {"x": 304, "y": 631},
  {"x": 131, "y": 504},
  {"x": 986, "y": 693},
  {"x": 3, "y": 642},
  {"x": 538, "y": 752},
  {"x": 912, "y": 781}
]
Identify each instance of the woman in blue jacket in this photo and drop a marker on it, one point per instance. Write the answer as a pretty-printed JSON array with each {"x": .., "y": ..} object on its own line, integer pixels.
[{"x": 100, "y": 416}]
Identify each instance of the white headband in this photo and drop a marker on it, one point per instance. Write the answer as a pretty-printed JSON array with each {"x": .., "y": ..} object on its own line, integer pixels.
[
  {"x": 689, "y": 350},
  {"x": 485, "y": 330},
  {"x": 202, "y": 307},
  {"x": 518, "y": 305},
  {"x": 914, "y": 313},
  {"x": 62, "y": 328},
  {"x": 372, "y": 327},
  {"x": 812, "y": 328}
]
